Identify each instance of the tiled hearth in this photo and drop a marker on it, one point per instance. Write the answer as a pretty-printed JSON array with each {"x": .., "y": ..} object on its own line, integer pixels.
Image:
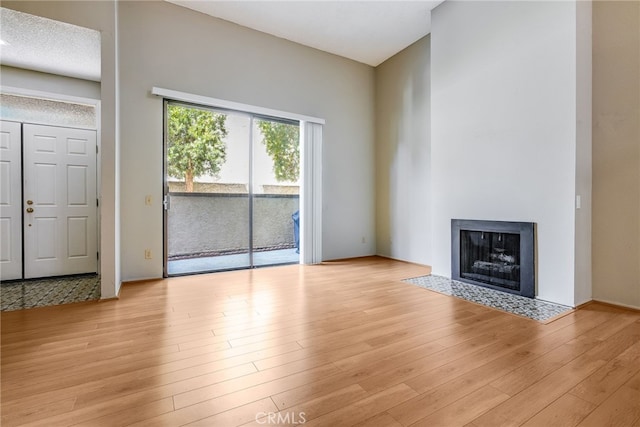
[{"x": 527, "y": 307}]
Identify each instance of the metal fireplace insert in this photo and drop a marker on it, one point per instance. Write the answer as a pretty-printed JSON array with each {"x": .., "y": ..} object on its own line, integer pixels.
[{"x": 495, "y": 254}]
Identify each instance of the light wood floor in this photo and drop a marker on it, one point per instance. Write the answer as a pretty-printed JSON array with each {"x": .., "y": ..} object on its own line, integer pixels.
[{"x": 339, "y": 344}]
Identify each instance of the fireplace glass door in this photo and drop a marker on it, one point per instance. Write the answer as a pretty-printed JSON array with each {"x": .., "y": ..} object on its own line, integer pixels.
[{"x": 491, "y": 258}]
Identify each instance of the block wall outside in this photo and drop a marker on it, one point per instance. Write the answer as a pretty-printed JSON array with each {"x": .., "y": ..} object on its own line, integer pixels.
[{"x": 200, "y": 224}]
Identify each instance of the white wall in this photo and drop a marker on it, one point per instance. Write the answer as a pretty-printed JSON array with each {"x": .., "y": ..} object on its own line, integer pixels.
[
  {"x": 582, "y": 268},
  {"x": 175, "y": 48},
  {"x": 616, "y": 152},
  {"x": 504, "y": 127},
  {"x": 35, "y": 80},
  {"x": 403, "y": 161}
]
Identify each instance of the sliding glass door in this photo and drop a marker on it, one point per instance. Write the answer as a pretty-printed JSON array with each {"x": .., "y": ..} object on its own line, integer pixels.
[
  {"x": 275, "y": 192},
  {"x": 231, "y": 190}
]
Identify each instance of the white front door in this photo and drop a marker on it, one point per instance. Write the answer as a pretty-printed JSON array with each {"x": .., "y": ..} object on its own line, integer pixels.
[
  {"x": 59, "y": 201},
  {"x": 10, "y": 201}
]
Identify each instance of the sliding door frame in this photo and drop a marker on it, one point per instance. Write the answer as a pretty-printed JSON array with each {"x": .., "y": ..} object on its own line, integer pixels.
[{"x": 310, "y": 130}]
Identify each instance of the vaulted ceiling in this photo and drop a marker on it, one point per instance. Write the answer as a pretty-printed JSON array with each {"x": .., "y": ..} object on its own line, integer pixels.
[{"x": 365, "y": 31}]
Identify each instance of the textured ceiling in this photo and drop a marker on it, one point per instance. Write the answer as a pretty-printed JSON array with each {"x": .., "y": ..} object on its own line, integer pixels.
[
  {"x": 49, "y": 46},
  {"x": 365, "y": 31}
]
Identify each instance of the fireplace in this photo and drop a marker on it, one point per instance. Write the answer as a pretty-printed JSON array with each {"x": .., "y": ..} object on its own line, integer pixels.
[{"x": 494, "y": 254}]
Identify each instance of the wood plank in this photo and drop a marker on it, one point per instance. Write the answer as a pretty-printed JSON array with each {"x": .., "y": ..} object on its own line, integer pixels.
[
  {"x": 21, "y": 415},
  {"x": 106, "y": 409},
  {"x": 436, "y": 396},
  {"x": 365, "y": 408},
  {"x": 207, "y": 392},
  {"x": 380, "y": 420},
  {"x": 129, "y": 416},
  {"x": 211, "y": 416},
  {"x": 567, "y": 411},
  {"x": 345, "y": 341},
  {"x": 463, "y": 411},
  {"x": 439, "y": 396},
  {"x": 529, "y": 374},
  {"x": 527, "y": 403},
  {"x": 622, "y": 408},
  {"x": 305, "y": 353},
  {"x": 315, "y": 408},
  {"x": 606, "y": 380}
]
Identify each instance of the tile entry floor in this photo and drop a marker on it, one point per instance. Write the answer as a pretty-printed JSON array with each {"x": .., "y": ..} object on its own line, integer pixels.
[
  {"x": 527, "y": 307},
  {"x": 23, "y": 294}
]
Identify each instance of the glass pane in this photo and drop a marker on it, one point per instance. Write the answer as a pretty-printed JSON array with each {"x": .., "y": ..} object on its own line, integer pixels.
[
  {"x": 492, "y": 258},
  {"x": 208, "y": 176},
  {"x": 276, "y": 189}
]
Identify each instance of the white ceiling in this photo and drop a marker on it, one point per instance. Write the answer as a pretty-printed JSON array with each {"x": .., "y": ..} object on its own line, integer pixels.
[
  {"x": 365, "y": 31},
  {"x": 41, "y": 44}
]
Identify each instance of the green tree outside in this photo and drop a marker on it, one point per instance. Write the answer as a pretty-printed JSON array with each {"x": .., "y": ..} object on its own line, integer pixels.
[
  {"x": 195, "y": 144},
  {"x": 282, "y": 142}
]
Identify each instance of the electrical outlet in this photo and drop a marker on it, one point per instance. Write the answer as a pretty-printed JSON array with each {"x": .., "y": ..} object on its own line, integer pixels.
[{"x": 147, "y": 254}]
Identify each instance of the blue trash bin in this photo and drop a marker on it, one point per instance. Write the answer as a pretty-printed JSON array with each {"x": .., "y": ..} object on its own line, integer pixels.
[{"x": 296, "y": 229}]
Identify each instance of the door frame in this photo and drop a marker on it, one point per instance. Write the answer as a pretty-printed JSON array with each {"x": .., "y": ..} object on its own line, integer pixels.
[
  {"x": 311, "y": 134},
  {"x": 59, "y": 262},
  {"x": 166, "y": 199},
  {"x": 96, "y": 103},
  {"x": 14, "y": 268}
]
